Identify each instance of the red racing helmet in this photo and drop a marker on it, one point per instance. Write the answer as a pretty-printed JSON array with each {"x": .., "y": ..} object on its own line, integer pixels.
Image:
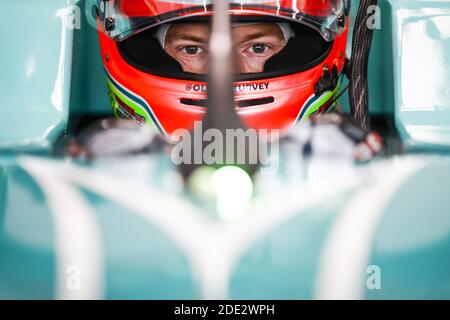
[{"x": 147, "y": 85}]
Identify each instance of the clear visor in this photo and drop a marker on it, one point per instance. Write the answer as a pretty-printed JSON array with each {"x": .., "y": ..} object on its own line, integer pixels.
[{"x": 120, "y": 19}]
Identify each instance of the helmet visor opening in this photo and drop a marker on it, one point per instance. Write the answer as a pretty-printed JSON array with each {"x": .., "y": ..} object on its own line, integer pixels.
[{"x": 304, "y": 50}]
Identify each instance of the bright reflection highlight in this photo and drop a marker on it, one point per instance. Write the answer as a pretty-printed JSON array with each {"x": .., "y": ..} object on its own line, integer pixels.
[
  {"x": 200, "y": 183},
  {"x": 233, "y": 188},
  {"x": 229, "y": 189}
]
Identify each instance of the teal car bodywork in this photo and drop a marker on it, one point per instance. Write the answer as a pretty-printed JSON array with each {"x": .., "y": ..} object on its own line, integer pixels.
[{"x": 125, "y": 228}]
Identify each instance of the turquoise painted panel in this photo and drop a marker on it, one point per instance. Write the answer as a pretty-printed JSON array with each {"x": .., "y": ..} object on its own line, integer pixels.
[
  {"x": 27, "y": 264},
  {"x": 381, "y": 100},
  {"x": 141, "y": 261},
  {"x": 35, "y": 72},
  {"x": 88, "y": 93},
  {"x": 413, "y": 239},
  {"x": 421, "y": 39},
  {"x": 284, "y": 263},
  {"x": 139, "y": 258}
]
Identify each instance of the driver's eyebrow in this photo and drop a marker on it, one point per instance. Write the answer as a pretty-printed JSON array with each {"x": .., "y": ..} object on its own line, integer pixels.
[
  {"x": 258, "y": 35},
  {"x": 189, "y": 37}
]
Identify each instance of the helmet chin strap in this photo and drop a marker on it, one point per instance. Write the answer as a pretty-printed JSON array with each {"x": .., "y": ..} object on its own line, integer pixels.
[{"x": 161, "y": 31}]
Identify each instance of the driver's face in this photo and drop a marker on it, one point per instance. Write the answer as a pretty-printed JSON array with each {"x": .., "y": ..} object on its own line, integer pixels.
[{"x": 253, "y": 45}]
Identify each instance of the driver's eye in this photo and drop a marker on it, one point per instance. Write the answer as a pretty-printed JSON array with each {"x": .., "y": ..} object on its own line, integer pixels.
[
  {"x": 191, "y": 49},
  {"x": 259, "y": 48}
]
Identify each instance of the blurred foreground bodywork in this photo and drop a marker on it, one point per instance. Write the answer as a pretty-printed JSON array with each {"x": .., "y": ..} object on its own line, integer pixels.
[{"x": 125, "y": 228}]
